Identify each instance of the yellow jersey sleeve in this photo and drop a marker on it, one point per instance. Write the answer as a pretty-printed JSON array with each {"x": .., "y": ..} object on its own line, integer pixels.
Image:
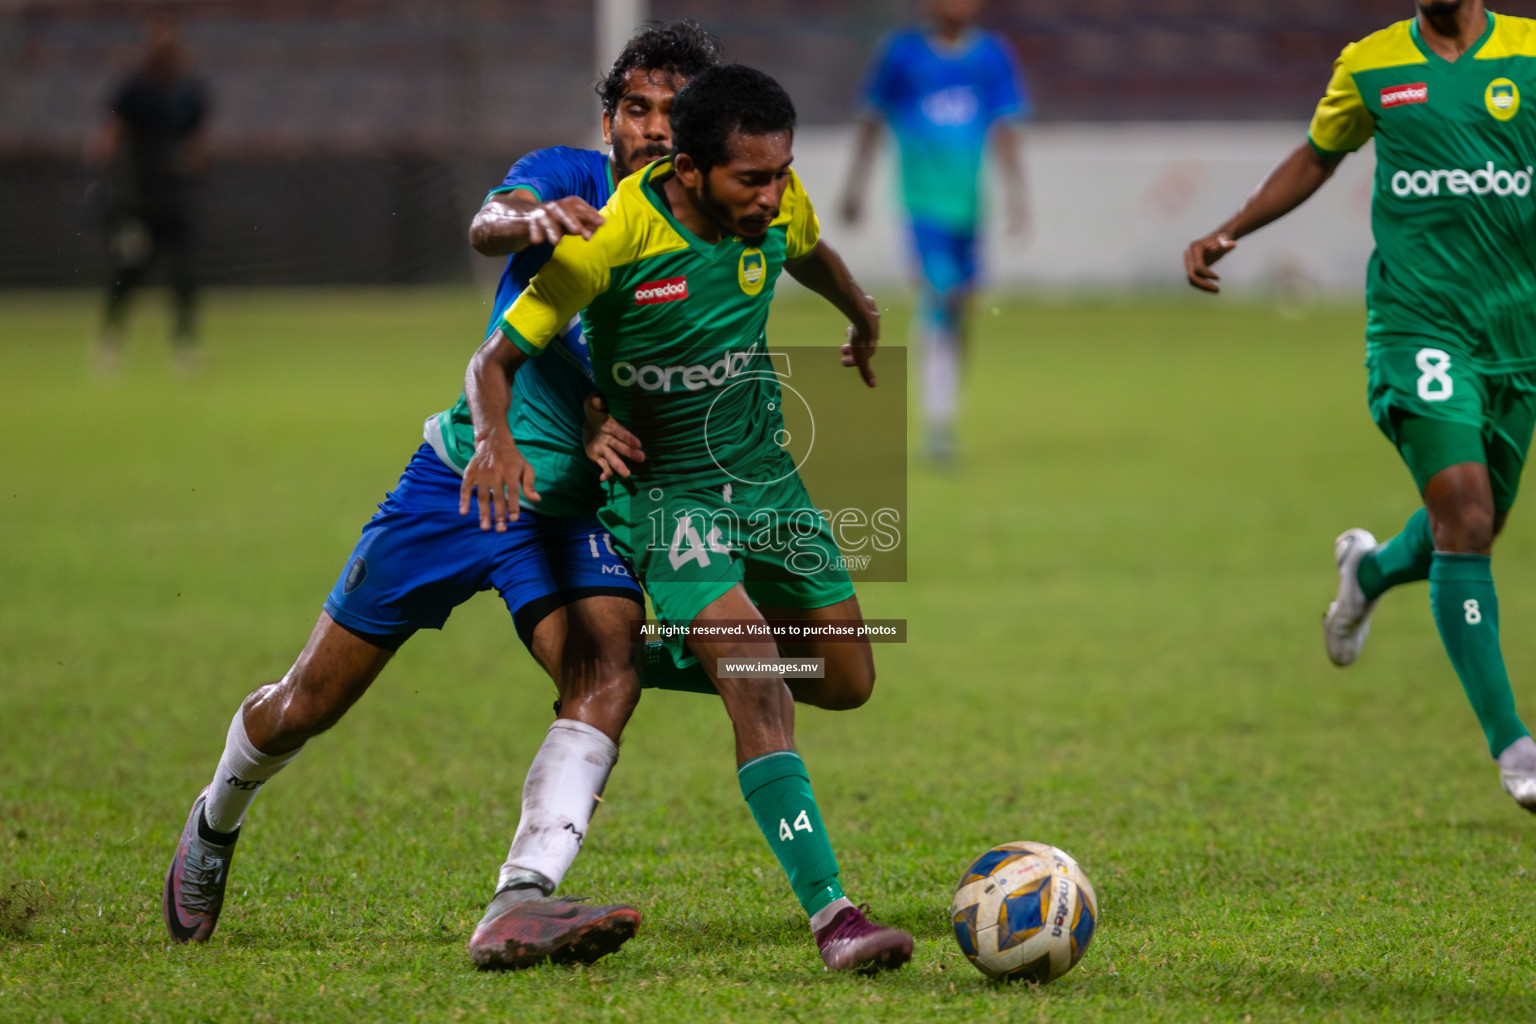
[
  {"x": 804, "y": 230},
  {"x": 1342, "y": 122},
  {"x": 576, "y": 273}
]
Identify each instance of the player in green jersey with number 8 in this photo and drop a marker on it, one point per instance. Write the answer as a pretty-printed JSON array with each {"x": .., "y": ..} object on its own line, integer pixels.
[
  {"x": 673, "y": 292},
  {"x": 1450, "y": 98}
]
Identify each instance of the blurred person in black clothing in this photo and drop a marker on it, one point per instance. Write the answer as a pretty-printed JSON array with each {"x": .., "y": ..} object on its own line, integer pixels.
[{"x": 152, "y": 147}]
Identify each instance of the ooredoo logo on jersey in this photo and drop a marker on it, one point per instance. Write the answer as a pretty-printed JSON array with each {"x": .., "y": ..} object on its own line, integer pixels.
[
  {"x": 670, "y": 290},
  {"x": 1397, "y": 95},
  {"x": 1481, "y": 181}
]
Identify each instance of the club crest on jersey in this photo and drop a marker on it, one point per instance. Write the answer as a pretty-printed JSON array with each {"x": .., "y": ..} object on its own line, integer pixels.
[
  {"x": 356, "y": 573},
  {"x": 1397, "y": 95},
  {"x": 1502, "y": 99},
  {"x": 752, "y": 270},
  {"x": 670, "y": 290}
]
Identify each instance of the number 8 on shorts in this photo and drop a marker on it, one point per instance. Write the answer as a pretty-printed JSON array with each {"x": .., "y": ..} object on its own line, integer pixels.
[{"x": 1435, "y": 383}]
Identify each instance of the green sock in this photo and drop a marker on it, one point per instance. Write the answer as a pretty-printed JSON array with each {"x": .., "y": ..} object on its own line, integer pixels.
[
  {"x": 1403, "y": 559},
  {"x": 659, "y": 672},
  {"x": 778, "y": 790},
  {"x": 1467, "y": 611}
]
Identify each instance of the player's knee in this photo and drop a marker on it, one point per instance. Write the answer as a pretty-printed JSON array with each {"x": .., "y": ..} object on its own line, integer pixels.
[
  {"x": 617, "y": 691},
  {"x": 1467, "y": 528},
  {"x": 303, "y": 706},
  {"x": 752, "y": 700},
  {"x": 602, "y": 689},
  {"x": 308, "y": 715},
  {"x": 850, "y": 688}
]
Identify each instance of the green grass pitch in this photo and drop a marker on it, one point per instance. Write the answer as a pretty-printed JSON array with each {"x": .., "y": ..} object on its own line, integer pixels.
[{"x": 1114, "y": 610}]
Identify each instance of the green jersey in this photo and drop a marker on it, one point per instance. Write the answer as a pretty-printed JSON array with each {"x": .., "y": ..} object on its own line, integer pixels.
[
  {"x": 1452, "y": 212},
  {"x": 675, "y": 326}
]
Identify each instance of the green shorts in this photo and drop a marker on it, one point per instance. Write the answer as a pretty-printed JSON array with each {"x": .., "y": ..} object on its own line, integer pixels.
[
  {"x": 1440, "y": 412},
  {"x": 692, "y": 540},
  {"x": 567, "y": 482}
]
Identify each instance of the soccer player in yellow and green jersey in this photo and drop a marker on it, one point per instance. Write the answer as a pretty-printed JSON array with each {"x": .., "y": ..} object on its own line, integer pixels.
[
  {"x": 1450, "y": 98},
  {"x": 673, "y": 292}
]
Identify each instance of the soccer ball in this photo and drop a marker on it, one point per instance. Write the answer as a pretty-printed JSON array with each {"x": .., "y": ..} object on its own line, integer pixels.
[{"x": 1024, "y": 912}]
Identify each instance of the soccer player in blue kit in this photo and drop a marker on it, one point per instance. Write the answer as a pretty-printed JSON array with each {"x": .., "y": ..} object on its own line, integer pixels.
[
  {"x": 571, "y": 598},
  {"x": 946, "y": 89}
]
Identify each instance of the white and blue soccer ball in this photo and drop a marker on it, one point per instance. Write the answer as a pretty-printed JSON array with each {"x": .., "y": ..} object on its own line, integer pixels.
[{"x": 1024, "y": 912}]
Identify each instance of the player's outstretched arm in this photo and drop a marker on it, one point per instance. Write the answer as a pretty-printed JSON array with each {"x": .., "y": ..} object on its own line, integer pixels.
[
  {"x": 606, "y": 440},
  {"x": 498, "y": 470},
  {"x": 823, "y": 271},
  {"x": 1289, "y": 185},
  {"x": 511, "y": 221}
]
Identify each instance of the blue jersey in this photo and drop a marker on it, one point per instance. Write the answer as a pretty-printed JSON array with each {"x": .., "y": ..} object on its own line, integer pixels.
[
  {"x": 547, "y": 394},
  {"x": 941, "y": 103}
]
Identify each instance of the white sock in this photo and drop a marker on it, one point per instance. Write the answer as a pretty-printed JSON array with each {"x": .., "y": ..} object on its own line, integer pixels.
[
  {"x": 564, "y": 784},
  {"x": 941, "y": 378},
  {"x": 240, "y": 774},
  {"x": 824, "y": 916}
]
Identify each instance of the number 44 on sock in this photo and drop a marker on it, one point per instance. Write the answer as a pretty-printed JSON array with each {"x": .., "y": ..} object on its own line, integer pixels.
[{"x": 802, "y": 824}]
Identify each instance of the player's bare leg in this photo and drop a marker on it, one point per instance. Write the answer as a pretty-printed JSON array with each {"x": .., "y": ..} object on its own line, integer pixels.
[
  {"x": 586, "y": 646},
  {"x": 778, "y": 790},
  {"x": 849, "y": 666},
  {"x": 334, "y": 669}
]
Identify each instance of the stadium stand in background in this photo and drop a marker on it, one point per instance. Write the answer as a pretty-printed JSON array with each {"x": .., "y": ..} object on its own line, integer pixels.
[{"x": 354, "y": 138}]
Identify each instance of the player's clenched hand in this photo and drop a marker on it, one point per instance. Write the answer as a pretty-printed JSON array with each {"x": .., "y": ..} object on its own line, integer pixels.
[
  {"x": 496, "y": 474},
  {"x": 606, "y": 440},
  {"x": 1202, "y": 252},
  {"x": 863, "y": 339}
]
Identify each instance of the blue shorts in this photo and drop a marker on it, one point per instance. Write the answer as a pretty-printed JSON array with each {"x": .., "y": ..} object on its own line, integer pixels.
[
  {"x": 947, "y": 256},
  {"x": 418, "y": 559}
]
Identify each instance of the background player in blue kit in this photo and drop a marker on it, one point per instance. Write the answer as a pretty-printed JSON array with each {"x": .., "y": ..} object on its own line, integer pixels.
[
  {"x": 946, "y": 88},
  {"x": 570, "y": 596}
]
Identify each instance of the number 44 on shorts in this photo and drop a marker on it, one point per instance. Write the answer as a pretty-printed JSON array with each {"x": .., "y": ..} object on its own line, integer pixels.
[{"x": 802, "y": 824}]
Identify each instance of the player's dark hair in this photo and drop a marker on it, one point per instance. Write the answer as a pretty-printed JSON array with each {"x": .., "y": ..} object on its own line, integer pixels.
[
  {"x": 679, "y": 47},
  {"x": 722, "y": 100}
]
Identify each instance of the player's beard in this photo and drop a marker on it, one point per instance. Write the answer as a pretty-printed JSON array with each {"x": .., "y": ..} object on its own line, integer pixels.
[
  {"x": 720, "y": 214},
  {"x": 1439, "y": 8},
  {"x": 631, "y": 159}
]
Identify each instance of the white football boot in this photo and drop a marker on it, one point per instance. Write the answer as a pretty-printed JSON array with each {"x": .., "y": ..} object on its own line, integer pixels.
[
  {"x": 1517, "y": 772},
  {"x": 1348, "y": 621}
]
